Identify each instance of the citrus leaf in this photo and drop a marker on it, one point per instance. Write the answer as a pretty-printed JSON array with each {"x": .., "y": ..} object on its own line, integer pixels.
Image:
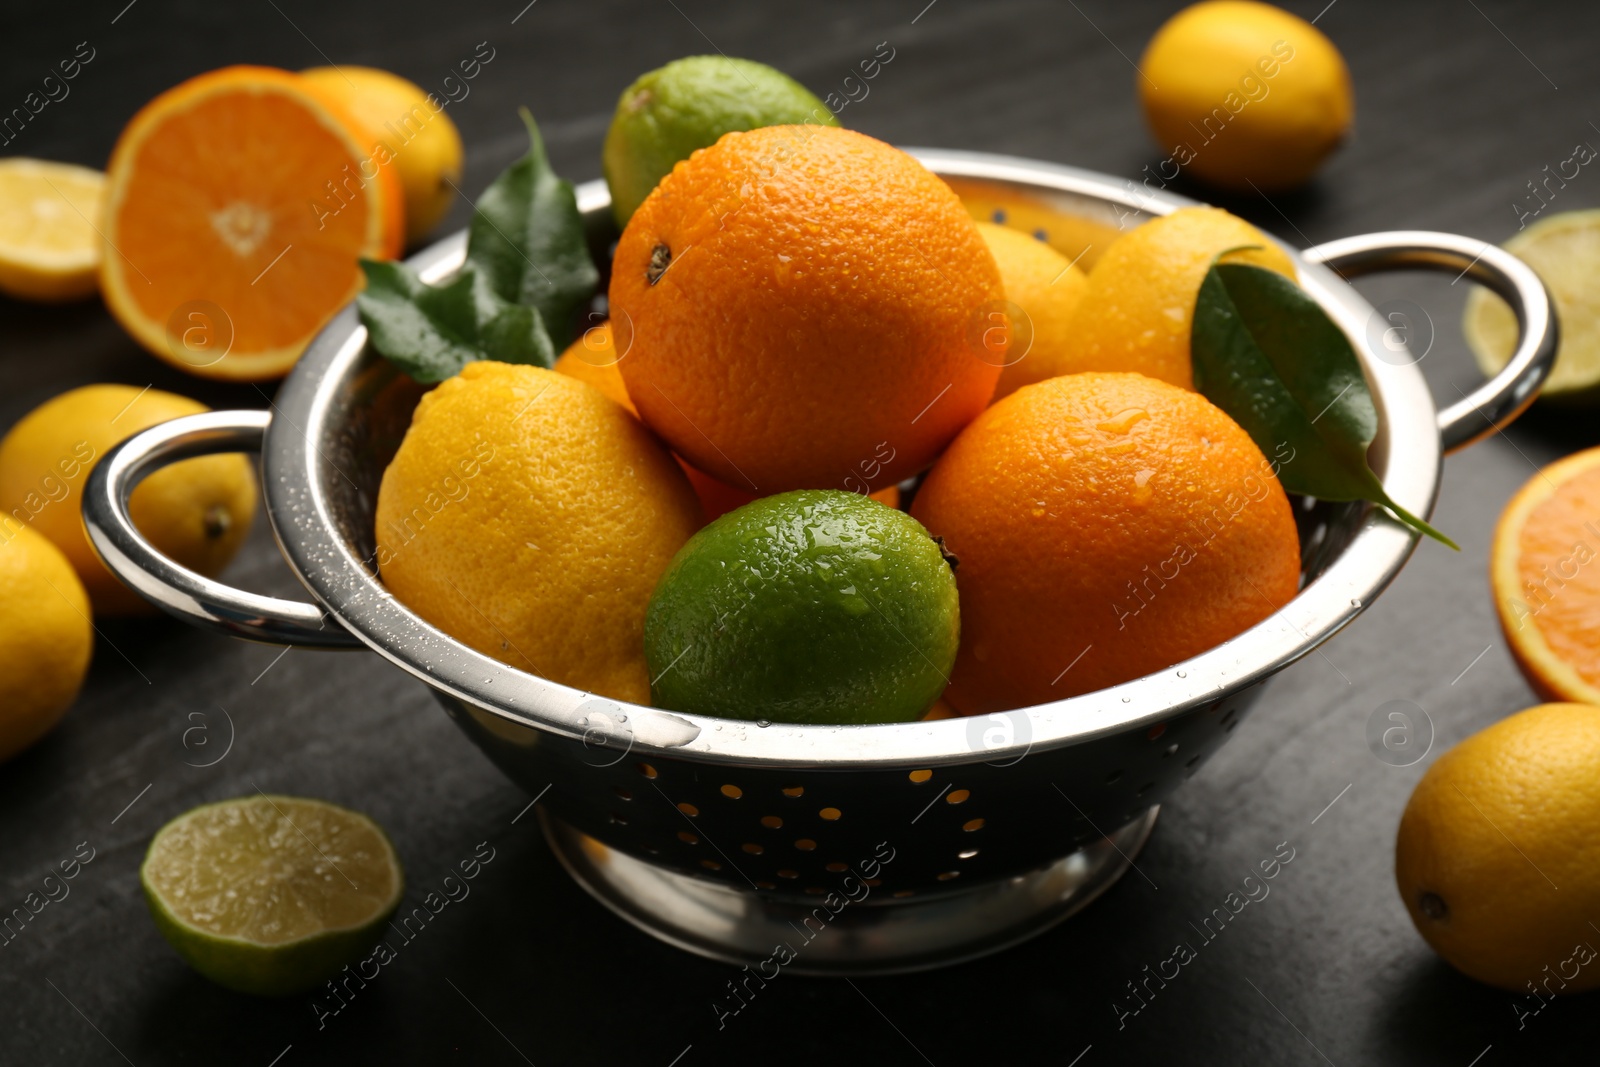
[
  {"x": 526, "y": 240},
  {"x": 1268, "y": 355},
  {"x": 431, "y": 331}
]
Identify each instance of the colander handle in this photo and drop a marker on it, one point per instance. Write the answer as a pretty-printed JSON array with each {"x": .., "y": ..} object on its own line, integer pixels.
[
  {"x": 175, "y": 589},
  {"x": 1497, "y": 402}
]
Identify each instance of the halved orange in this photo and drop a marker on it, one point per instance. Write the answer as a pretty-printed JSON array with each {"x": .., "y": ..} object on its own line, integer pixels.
[
  {"x": 1544, "y": 568},
  {"x": 237, "y": 204}
]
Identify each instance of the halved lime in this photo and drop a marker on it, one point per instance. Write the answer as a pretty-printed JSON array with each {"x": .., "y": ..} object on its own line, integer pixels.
[
  {"x": 1565, "y": 251},
  {"x": 271, "y": 894}
]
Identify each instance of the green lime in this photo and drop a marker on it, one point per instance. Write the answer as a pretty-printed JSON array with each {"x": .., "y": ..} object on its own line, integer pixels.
[
  {"x": 1565, "y": 251},
  {"x": 270, "y": 894},
  {"x": 688, "y": 104},
  {"x": 816, "y": 606}
]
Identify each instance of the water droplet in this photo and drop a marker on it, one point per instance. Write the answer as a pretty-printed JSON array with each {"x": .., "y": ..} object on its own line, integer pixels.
[
  {"x": 1127, "y": 700},
  {"x": 1183, "y": 674},
  {"x": 763, "y": 723},
  {"x": 1123, "y": 421},
  {"x": 1355, "y": 602}
]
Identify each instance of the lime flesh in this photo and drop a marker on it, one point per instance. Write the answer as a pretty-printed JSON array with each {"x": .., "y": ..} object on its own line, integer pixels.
[
  {"x": 816, "y": 606},
  {"x": 271, "y": 894}
]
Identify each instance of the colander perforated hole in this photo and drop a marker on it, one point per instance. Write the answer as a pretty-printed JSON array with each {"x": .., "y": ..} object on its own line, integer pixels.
[
  {"x": 732, "y": 792},
  {"x": 949, "y": 876},
  {"x": 815, "y": 890},
  {"x": 1114, "y": 777},
  {"x": 646, "y": 770},
  {"x": 771, "y": 822},
  {"x": 766, "y": 885},
  {"x": 966, "y": 853},
  {"x": 972, "y": 824},
  {"x": 687, "y": 838},
  {"x": 788, "y": 874},
  {"x": 711, "y": 865},
  {"x": 795, "y": 791},
  {"x": 621, "y": 792},
  {"x": 901, "y": 894},
  {"x": 874, "y": 882},
  {"x": 1143, "y": 789},
  {"x": 831, "y": 814},
  {"x": 920, "y": 776},
  {"x": 1228, "y": 716},
  {"x": 688, "y": 808},
  {"x": 753, "y": 848},
  {"x": 1169, "y": 750},
  {"x": 1155, "y": 731},
  {"x": 1229, "y": 728},
  {"x": 836, "y": 867},
  {"x": 1193, "y": 760},
  {"x": 617, "y": 819},
  {"x": 957, "y": 796},
  {"x": 805, "y": 844}
]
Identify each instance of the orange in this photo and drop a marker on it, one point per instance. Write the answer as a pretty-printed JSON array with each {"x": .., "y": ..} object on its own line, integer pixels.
[
  {"x": 1544, "y": 568},
  {"x": 1045, "y": 288},
  {"x": 1136, "y": 313},
  {"x": 529, "y": 517},
  {"x": 1105, "y": 526},
  {"x": 809, "y": 310},
  {"x": 1496, "y": 859},
  {"x": 237, "y": 205},
  {"x": 592, "y": 358}
]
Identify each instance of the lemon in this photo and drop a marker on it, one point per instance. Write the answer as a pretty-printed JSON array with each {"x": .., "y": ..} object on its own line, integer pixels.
[
  {"x": 49, "y": 249},
  {"x": 271, "y": 894},
  {"x": 1565, "y": 250},
  {"x": 664, "y": 116},
  {"x": 529, "y": 517},
  {"x": 196, "y": 512},
  {"x": 1137, "y": 310},
  {"x": 45, "y": 637},
  {"x": 816, "y": 606},
  {"x": 1240, "y": 93},
  {"x": 1495, "y": 857},
  {"x": 418, "y": 138},
  {"x": 1046, "y": 287}
]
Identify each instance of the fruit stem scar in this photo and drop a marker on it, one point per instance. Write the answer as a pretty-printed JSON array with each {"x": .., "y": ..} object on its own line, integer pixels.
[
  {"x": 949, "y": 556},
  {"x": 217, "y": 521},
  {"x": 1433, "y": 906},
  {"x": 660, "y": 260}
]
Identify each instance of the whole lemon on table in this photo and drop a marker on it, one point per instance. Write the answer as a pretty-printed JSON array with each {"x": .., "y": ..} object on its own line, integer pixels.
[
  {"x": 1244, "y": 94},
  {"x": 1048, "y": 288},
  {"x": 418, "y": 137},
  {"x": 45, "y": 636},
  {"x": 1138, "y": 309},
  {"x": 528, "y": 516},
  {"x": 1495, "y": 858},
  {"x": 196, "y": 512},
  {"x": 668, "y": 113},
  {"x": 808, "y": 309},
  {"x": 1105, "y": 526},
  {"x": 816, "y": 606}
]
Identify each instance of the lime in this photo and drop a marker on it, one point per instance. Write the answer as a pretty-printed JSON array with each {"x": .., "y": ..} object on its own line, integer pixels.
[
  {"x": 688, "y": 104},
  {"x": 1565, "y": 251},
  {"x": 271, "y": 894},
  {"x": 816, "y": 606}
]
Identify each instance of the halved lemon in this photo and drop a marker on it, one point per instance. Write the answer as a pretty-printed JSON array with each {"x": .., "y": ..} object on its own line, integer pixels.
[
  {"x": 49, "y": 249},
  {"x": 1544, "y": 568},
  {"x": 237, "y": 206},
  {"x": 1565, "y": 251},
  {"x": 271, "y": 894}
]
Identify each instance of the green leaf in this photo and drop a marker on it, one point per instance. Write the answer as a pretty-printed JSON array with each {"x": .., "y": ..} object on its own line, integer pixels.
[
  {"x": 1269, "y": 356},
  {"x": 527, "y": 241},
  {"x": 430, "y": 332}
]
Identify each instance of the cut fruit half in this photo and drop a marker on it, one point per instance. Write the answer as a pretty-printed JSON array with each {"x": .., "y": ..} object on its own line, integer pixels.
[
  {"x": 49, "y": 249},
  {"x": 1565, "y": 251},
  {"x": 271, "y": 894},
  {"x": 237, "y": 206},
  {"x": 1544, "y": 568}
]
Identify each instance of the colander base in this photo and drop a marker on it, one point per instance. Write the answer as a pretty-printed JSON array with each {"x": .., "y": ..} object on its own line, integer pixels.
[{"x": 838, "y": 937}]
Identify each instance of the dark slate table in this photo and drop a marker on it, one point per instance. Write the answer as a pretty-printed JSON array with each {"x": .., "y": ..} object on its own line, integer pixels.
[{"x": 1460, "y": 105}]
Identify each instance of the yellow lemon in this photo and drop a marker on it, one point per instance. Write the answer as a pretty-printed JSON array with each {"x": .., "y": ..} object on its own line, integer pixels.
[
  {"x": 1139, "y": 304},
  {"x": 45, "y": 637},
  {"x": 418, "y": 138},
  {"x": 196, "y": 512},
  {"x": 528, "y": 516},
  {"x": 1046, "y": 286},
  {"x": 1240, "y": 94},
  {"x": 49, "y": 249},
  {"x": 1495, "y": 857}
]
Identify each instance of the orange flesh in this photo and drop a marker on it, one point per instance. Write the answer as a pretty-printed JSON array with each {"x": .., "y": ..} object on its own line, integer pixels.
[
  {"x": 211, "y": 228},
  {"x": 1558, "y": 569}
]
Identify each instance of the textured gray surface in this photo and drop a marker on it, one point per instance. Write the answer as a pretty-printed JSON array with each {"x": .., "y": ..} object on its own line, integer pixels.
[{"x": 1455, "y": 114}]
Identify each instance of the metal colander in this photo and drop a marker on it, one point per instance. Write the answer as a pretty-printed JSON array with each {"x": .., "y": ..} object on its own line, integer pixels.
[{"x": 908, "y": 845}]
